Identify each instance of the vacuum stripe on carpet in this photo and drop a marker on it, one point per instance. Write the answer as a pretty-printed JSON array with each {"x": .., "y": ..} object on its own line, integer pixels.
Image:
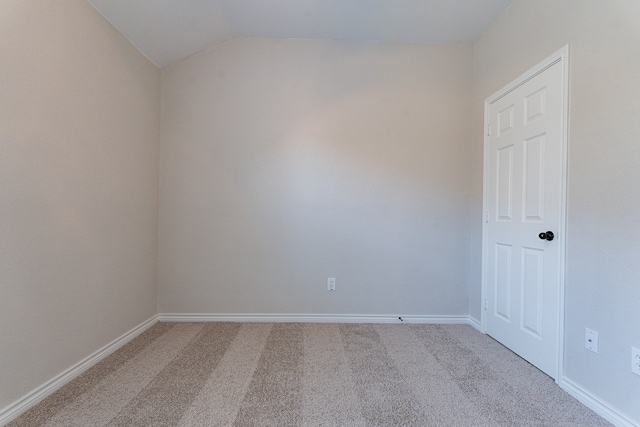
[
  {"x": 103, "y": 402},
  {"x": 168, "y": 396},
  {"x": 442, "y": 400},
  {"x": 478, "y": 382},
  {"x": 219, "y": 401},
  {"x": 58, "y": 401},
  {"x": 329, "y": 391},
  {"x": 385, "y": 398},
  {"x": 274, "y": 397}
]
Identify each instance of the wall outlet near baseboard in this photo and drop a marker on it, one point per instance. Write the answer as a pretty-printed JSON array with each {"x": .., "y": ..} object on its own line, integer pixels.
[
  {"x": 635, "y": 360},
  {"x": 331, "y": 284},
  {"x": 591, "y": 340}
]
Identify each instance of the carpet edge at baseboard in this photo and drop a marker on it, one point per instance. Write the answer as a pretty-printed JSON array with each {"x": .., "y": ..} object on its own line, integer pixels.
[
  {"x": 18, "y": 407},
  {"x": 313, "y": 318},
  {"x": 595, "y": 404}
]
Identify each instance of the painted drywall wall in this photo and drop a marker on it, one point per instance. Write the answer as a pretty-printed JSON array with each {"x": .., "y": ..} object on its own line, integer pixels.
[
  {"x": 285, "y": 162},
  {"x": 79, "y": 144},
  {"x": 602, "y": 291}
]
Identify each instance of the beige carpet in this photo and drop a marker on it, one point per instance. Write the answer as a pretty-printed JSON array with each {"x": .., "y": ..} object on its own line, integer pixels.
[{"x": 295, "y": 374}]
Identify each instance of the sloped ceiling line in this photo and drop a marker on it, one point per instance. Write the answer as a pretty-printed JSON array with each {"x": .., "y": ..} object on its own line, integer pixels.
[{"x": 167, "y": 31}]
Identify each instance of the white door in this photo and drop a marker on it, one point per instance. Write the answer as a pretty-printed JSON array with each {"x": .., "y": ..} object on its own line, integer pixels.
[{"x": 524, "y": 199}]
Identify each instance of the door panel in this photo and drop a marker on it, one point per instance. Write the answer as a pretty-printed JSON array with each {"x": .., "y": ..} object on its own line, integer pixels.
[
  {"x": 524, "y": 196},
  {"x": 532, "y": 285},
  {"x": 503, "y": 282},
  {"x": 504, "y": 179},
  {"x": 533, "y": 185}
]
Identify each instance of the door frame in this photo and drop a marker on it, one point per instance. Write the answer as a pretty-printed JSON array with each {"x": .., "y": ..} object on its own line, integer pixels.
[{"x": 562, "y": 57}]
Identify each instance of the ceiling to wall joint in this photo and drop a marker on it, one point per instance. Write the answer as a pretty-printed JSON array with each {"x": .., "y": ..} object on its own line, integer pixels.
[{"x": 167, "y": 31}]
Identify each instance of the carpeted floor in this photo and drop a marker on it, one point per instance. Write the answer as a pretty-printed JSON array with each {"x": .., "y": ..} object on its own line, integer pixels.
[{"x": 306, "y": 374}]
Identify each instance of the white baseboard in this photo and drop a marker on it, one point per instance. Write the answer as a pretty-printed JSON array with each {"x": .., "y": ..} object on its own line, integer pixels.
[
  {"x": 30, "y": 399},
  {"x": 597, "y": 405},
  {"x": 475, "y": 323},
  {"x": 311, "y": 318}
]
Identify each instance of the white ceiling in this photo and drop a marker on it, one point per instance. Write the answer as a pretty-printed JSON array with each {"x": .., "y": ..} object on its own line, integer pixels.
[{"x": 167, "y": 31}]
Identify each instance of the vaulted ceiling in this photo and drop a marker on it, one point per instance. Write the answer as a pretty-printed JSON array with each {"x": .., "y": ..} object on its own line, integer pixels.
[{"x": 167, "y": 31}]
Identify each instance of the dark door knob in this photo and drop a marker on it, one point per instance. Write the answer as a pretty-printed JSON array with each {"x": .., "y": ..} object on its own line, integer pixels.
[{"x": 546, "y": 236}]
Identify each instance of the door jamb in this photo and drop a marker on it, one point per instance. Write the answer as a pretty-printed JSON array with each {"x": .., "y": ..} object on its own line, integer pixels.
[{"x": 561, "y": 56}]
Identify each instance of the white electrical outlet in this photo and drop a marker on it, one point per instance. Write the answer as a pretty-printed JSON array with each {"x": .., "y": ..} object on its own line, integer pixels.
[
  {"x": 591, "y": 340},
  {"x": 331, "y": 284},
  {"x": 635, "y": 360}
]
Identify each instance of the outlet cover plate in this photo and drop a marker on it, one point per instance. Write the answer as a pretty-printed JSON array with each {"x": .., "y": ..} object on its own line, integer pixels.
[
  {"x": 331, "y": 284},
  {"x": 635, "y": 360},
  {"x": 591, "y": 340}
]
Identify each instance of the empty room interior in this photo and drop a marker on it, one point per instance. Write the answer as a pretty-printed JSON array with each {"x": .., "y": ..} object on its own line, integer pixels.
[{"x": 227, "y": 162}]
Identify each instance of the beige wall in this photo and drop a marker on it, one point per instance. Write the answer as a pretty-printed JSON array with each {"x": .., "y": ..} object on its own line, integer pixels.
[
  {"x": 79, "y": 132},
  {"x": 284, "y": 162},
  {"x": 602, "y": 282}
]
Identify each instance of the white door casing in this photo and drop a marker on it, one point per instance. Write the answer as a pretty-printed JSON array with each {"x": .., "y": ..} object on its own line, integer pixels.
[{"x": 524, "y": 195}]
